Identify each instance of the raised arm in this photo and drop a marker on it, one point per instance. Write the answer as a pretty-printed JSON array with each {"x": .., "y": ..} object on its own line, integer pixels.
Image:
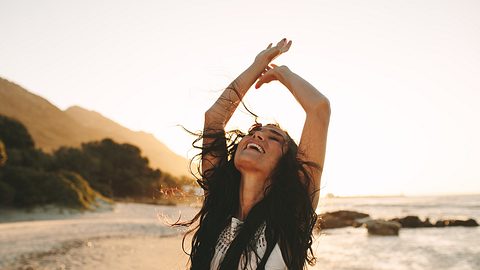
[
  {"x": 222, "y": 110},
  {"x": 317, "y": 108}
]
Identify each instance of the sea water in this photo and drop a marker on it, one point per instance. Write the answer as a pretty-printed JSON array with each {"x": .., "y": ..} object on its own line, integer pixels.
[
  {"x": 416, "y": 248},
  {"x": 133, "y": 236}
]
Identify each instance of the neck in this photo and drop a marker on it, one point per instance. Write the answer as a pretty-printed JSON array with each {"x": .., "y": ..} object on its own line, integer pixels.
[{"x": 252, "y": 188}]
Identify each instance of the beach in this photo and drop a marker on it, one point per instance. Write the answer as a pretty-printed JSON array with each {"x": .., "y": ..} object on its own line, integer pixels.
[
  {"x": 137, "y": 236},
  {"x": 133, "y": 252}
]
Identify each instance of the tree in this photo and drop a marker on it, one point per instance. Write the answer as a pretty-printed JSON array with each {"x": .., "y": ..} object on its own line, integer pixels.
[
  {"x": 29, "y": 178},
  {"x": 115, "y": 170},
  {"x": 14, "y": 134}
]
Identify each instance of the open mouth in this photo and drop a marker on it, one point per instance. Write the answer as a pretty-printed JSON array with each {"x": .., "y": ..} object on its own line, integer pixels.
[{"x": 256, "y": 147}]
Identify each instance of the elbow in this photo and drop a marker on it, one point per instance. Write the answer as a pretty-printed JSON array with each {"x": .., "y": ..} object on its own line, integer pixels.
[
  {"x": 213, "y": 120},
  {"x": 209, "y": 116},
  {"x": 322, "y": 108}
]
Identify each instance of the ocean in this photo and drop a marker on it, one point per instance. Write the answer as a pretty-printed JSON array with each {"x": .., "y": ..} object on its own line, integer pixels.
[
  {"x": 137, "y": 236},
  {"x": 417, "y": 248}
]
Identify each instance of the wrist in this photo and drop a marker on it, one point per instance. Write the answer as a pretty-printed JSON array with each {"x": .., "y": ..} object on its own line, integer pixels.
[
  {"x": 283, "y": 73},
  {"x": 259, "y": 64}
]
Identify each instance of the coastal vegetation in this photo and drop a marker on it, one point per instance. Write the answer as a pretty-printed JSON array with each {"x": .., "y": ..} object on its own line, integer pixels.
[
  {"x": 52, "y": 127},
  {"x": 76, "y": 177}
]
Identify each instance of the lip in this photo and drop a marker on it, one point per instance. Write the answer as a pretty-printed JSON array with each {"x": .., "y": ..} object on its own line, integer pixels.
[{"x": 255, "y": 142}]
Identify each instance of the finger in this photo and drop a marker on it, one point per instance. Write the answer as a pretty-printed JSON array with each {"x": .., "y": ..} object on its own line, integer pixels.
[
  {"x": 288, "y": 45},
  {"x": 258, "y": 84},
  {"x": 266, "y": 70},
  {"x": 264, "y": 79},
  {"x": 260, "y": 81},
  {"x": 263, "y": 74}
]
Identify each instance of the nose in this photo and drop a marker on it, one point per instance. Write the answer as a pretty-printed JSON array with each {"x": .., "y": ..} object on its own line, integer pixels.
[{"x": 258, "y": 135}]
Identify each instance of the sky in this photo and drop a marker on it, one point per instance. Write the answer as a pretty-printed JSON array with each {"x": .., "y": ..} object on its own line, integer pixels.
[{"x": 402, "y": 77}]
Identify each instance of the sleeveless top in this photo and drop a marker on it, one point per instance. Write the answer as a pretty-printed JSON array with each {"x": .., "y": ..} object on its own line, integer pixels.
[{"x": 274, "y": 262}]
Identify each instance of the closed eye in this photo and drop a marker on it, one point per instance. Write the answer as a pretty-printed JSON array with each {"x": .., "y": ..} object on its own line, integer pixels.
[{"x": 274, "y": 138}]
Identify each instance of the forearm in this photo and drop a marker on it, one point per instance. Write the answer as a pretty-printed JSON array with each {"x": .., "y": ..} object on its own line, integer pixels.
[
  {"x": 313, "y": 140},
  {"x": 222, "y": 110},
  {"x": 306, "y": 94}
]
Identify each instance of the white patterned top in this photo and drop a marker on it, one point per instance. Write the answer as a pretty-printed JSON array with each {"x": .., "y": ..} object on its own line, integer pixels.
[{"x": 274, "y": 262}]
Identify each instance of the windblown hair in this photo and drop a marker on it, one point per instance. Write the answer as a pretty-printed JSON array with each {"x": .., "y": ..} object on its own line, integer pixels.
[{"x": 286, "y": 208}]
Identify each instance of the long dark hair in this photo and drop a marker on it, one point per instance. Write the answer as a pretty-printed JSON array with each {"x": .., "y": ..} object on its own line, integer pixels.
[{"x": 285, "y": 210}]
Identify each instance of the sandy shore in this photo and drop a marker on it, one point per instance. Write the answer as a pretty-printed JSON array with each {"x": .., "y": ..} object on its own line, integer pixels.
[
  {"x": 137, "y": 236},
  {"x": 109, "y": 253},
  {"x": 127, "y": 236}
]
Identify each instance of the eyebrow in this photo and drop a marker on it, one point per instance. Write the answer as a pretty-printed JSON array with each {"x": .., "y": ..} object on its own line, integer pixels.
[{"x": 276, "y": 133}]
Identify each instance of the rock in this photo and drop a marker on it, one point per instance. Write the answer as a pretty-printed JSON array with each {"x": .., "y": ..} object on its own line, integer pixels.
[
  {"x": 456, "y": 222},
  {"x": 348, "y": 215},
  {"x": 409, "y": 221},
  {"x": 427, "y": 223},
  {"x": 345, "y": 218},
  {"x": 340, "y": 219},
  {"x": 327, "y": 221},
  {"x": 470, "y": 223},
  {"x": 382, "y": 227},
  {"x": 413, "y": 222},
  {"x": 440, "y": 224},
  {"x": 360, "y": 221}
]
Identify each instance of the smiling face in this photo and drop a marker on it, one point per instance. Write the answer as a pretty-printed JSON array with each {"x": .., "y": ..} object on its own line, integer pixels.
[{"x": 261, "y": 149}]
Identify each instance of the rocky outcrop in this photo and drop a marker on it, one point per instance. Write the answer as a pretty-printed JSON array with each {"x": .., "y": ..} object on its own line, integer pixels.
[
  {"x": 412, "y": 222},
  {"x": 416, "y": 222},
  {"x": 382, "y": 227},
  {"x": 340, "y": 219},
  {"x": 345, "y": 218},
  {"x": 455, "y": 222}
]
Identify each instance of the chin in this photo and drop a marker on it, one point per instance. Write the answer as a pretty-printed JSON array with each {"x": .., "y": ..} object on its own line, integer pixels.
[{"x": 245, "y": 162}]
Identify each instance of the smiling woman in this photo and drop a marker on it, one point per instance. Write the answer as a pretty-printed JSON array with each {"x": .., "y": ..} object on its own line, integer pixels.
[{"x": 260, "y": 188}]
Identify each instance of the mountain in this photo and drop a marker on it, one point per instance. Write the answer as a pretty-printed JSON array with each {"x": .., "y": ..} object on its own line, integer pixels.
[
  {"x": 157, "y": 152},
  {"x": 51, "y": 127}
]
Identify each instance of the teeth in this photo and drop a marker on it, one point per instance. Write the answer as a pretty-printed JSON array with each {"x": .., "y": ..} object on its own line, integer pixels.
[{"x": 256, "y": 146}]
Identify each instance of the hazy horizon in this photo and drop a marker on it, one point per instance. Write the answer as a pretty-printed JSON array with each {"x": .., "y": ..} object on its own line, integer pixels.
[{"x": 401, "y": 77}]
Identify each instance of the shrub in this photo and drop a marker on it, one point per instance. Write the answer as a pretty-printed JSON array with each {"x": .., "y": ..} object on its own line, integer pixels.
[
  {"x": 35, "y": 187},
  {"x": 7, "y": 193},
  {"x": 86, "y": 196}
]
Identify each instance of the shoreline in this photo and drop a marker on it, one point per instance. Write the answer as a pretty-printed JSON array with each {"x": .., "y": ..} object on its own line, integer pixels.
[
  {"x": 165, "y": 252},
  {"x": 55, "y": 212},
  {"x": 137, "y": 236},
  {"x": 48, "y": 212}
]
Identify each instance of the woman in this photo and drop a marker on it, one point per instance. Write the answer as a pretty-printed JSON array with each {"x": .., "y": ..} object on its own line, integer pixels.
[{"x": 261, "y": 190}]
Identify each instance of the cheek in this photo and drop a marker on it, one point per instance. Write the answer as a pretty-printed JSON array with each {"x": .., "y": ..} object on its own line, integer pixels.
[{"x": 276, "y": 155}]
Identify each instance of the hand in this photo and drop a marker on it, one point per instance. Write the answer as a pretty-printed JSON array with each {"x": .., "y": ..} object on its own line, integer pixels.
[
  {"x": 271, "y": 73},
  {"x": 266, "y": 56}
]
